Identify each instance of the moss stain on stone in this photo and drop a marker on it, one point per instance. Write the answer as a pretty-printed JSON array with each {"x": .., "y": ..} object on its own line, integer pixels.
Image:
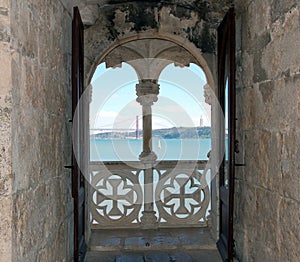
[
  {"x": 203, "y": 37},
  {"x": 113, "y": 33},
  {"x": 181, "y": 12},
  {"x": 141, "y": 15}
]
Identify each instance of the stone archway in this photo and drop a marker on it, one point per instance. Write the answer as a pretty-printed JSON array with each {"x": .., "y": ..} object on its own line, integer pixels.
[
  {"x": 112, "y": 36},
  {"x": 153, "y": 55}
]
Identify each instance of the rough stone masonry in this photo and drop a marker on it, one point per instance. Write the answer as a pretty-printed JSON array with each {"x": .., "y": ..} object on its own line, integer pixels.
[{"x": 35, "y": 106}]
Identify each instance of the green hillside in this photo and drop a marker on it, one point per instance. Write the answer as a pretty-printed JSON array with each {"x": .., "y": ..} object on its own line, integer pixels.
[{"x": 166, "y": 133}]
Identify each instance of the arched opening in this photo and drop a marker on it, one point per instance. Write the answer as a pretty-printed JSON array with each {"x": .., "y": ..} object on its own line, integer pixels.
[
  {"x": 166, "y": 184},
  {"x": 113, "y": 112},
  {"x": 182, "y": 104}
]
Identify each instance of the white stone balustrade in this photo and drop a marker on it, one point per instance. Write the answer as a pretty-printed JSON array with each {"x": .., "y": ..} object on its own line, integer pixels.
[{"x": 180, "y": 189}]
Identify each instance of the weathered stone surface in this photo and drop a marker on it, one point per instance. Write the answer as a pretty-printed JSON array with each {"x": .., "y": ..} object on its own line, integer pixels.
[
  {"x": 35, "y": 51},
  {"x": 281, "y": 58},
  {"x": 289, "y": 231},
  {"x": 35, "y": 194},
  {"x": 5, "y": 131},
  {"x": 291, "y": 179},
  {"x": 268, "y": 113},
  {"x": 188, "y": 21}
]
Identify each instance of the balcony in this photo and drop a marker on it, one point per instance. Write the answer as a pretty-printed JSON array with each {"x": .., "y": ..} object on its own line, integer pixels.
[
  {"x": 180, "y": 200},
  {"x": 181, "y": 195}
]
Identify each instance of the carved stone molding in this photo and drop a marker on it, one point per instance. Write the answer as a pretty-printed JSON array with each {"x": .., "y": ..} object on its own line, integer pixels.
[
  {"x": 147, "y": 91},
  {"x": 207, "y": 94}
]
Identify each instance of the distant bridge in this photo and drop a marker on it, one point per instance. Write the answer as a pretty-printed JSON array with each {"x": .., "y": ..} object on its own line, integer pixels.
[{"x": 113, "y": 129}]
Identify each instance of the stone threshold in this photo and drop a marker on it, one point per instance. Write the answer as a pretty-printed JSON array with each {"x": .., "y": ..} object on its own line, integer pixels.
[
  {"x": 155, "y": 256},
  {"x": 151, "y": 239}
]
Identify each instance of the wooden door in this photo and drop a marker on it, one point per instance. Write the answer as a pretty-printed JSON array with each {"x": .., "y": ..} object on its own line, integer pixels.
[
  {"x": 79, "y": 122},
  {"x": 226, "y": 95}
]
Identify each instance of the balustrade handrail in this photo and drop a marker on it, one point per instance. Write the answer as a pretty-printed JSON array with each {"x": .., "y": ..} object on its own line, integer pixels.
[{"x": 164, "y": 164}]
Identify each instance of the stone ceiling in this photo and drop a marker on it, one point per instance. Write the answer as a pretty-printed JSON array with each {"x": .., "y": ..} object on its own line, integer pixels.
[{"x": 212, "y": 10}]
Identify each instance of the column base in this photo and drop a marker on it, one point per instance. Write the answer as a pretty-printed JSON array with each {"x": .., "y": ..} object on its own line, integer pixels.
[
  {"x": 149, "y": 220},
  {"x": 148, "y": 157}
]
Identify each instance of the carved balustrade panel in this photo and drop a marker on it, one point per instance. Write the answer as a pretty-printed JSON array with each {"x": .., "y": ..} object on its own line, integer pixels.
[
  {"x": 116, "y": 196},
  {"x": 182, "y": 196},
  {"x": 181, "y": 191}
]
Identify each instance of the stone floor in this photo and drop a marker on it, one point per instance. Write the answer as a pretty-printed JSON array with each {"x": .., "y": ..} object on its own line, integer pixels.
[{"x": 163, "y": 245}]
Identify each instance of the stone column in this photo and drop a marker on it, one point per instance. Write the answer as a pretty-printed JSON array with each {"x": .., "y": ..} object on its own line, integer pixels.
[
  {"x": 147, "y": 91},
  {"x": 214, "y": 160}
]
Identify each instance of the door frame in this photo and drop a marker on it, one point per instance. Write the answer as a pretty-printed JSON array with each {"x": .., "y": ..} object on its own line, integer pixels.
[
  {"x": 79, "y": 134},
  {"x": 226, "y": 70}
]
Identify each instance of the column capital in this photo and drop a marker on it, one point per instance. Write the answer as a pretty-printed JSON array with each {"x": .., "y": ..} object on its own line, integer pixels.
[
  {"x": 147, "y": 91},
  {"x": 207, "y": 94}
]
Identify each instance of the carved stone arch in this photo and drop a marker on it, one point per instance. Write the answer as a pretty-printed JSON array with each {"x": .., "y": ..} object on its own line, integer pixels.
[
  {"x": 206, "y": 61},
  {"x": 205, "y": 64}
]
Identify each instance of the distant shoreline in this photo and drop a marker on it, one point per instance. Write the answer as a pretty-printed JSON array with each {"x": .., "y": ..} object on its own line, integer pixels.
[{"x": 166, "y": 133}]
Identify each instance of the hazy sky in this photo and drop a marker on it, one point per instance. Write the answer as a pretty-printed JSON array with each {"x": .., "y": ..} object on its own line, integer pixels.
[{"x": 180, "y": 101}]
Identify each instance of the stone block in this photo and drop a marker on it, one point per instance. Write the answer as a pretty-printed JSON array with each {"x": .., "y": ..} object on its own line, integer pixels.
[
  {"x": 68, "y": 5},
  {"x": 274, "y": 180},
  {"x": 259, "y": 15},
  {"x": 265, "y": 105},
  {"x": 291, "y": 179},
  {"x": 289, "y": 230},
  {"x": 5, "y": 227},
  {"x": 279, "y": 9},
  {"x": 248, "y": 199},
  {"x": 5, "y": 75},
  {"x": 257, "y": 157},
  {"x": 247, "y": 69},
  {"x": 252, "y": 109},
  {"x": 280, "y": 58},
  {"x": 4, "y": 24},
  {"x": 161, "y": 257},
  {"x": 266, "y": 198},
  {"x": 130, "y": 258},
  {"x": 283, "y": 110}
]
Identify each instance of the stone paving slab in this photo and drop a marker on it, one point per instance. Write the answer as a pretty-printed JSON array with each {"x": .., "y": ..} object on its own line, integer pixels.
[
  {"x": 131, "y": 258},
  {"x": 160, "y": 245},
  {"x": 166, "y": 256}
]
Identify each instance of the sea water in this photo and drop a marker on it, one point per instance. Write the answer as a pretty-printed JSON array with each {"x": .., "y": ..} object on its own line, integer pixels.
[{"x": 165, "y": 149}]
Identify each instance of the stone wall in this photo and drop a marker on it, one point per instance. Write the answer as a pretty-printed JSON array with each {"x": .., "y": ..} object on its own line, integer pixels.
[
  {"x": 35, "y": 106},
  {"x": 35, "y": 95},
  {"x": 267, "y": 199},
  {"x": 5, "y": 131}
]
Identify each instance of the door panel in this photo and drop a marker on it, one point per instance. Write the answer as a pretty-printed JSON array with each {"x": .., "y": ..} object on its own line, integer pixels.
[
  {"x": 226, "y": 95},
  {"x": 79, "y": 119}
]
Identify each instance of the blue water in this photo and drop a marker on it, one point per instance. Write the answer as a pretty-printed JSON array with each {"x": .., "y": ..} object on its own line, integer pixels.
[{"x": 165, "y": 149}]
